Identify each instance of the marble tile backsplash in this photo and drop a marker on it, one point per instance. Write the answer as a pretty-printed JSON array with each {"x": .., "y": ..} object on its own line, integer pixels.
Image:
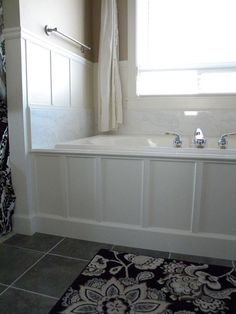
[
  {"x": 51, "y": 126},
  {"x": 154, "y": 121}
]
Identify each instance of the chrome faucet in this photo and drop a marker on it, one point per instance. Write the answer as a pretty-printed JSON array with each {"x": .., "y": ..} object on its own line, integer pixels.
[
  {"x": 222, "y": 143},
  {"x": 177, "y": 140},
  {"x": 199, "y": 140}
]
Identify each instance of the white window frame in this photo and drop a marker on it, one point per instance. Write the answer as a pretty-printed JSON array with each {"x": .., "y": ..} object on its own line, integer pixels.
[{"x": 192, "y": 102}]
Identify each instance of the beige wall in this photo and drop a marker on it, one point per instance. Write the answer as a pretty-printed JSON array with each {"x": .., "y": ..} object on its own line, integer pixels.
[
  {"x": 11, "y": 13},
  {"x": 73, "y": 17},
  {"x": 77, "y": 18},
  {"x": 122, "y": 6}
]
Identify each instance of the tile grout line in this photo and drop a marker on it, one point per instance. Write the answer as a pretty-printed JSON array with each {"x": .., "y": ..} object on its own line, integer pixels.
[
  {"x": 55, "y": 246},
  {"x": 48, "y": 252},
  {"x": 29, "y": 268},
  {"x": 70, "y": 257},
  {"x": 23, "y": 248},
  {"x": 7, "y": 287},
  {"x": 37, "y": 293},
  {"x": 34, "y": 250}
]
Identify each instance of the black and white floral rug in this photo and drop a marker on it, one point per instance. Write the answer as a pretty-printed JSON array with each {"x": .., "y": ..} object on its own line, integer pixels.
[{"x": 117, "y": 283}]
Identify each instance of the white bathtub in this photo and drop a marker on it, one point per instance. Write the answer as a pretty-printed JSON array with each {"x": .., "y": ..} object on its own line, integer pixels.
[{"x": 161, "y": 145}]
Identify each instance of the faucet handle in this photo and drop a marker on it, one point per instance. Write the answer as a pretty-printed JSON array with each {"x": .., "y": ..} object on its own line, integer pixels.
[
  {"x": 222, "y": 143},
  {"x": 177, "y": 140}
]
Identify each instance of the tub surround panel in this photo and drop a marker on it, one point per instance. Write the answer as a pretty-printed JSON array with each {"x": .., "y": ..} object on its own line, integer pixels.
[
  {"x": 119, "y": 204},
  {"x": 218, "y": 214},
  {"x": 150, "y": 202},
  {"x": 81, "y": 194},
  {"x": 50, "y": 188},
  {"x": 171, "y": 202}
]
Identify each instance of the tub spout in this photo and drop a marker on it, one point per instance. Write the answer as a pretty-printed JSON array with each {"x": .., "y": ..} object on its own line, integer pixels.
[{"x": 199, "y": 140}]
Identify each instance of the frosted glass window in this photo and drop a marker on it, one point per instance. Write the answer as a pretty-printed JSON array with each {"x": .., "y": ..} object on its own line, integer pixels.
[{"x": 186, "y": 46}]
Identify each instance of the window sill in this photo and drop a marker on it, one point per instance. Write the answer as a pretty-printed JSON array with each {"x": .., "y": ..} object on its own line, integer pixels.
[{"x": 185, "y": 102}]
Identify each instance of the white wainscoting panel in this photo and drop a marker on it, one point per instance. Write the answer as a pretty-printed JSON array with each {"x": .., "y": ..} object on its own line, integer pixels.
[
  {"x": 171, "y": 194},
  {"x": 218, "y": 213},
  {"x": 58, "y": 84},
  {"x": 81, "y": 187},
  {"x": 60, "y": 79},
  {"x": 81, "y": 85},
  {"x": 122, "y": 190},
  {"x": 50, "y": 185},
  {"x": 38, "y": 74},
  {"x": 140, "y": 202}
]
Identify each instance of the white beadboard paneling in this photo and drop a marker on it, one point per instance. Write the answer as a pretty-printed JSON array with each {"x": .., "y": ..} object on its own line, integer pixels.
[
  {"x": 122, "y": 190},
  {"x": 218, "y": 212},
  {"x": 38, "y": 74},
  {"x": 171, "y": 193},
  {"x": 60, "y": 80},
  {"x": 81, "y": 190},
  {"x": 50, "y": 174}
]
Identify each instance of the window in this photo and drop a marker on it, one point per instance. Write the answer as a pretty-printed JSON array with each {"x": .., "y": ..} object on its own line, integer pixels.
[{"x": 185, "y": 47}]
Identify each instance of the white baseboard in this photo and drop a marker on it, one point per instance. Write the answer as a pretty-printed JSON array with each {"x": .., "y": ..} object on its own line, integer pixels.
[
  {"x": 210, "y": 245},
  {"x": 23, "y": 224}
]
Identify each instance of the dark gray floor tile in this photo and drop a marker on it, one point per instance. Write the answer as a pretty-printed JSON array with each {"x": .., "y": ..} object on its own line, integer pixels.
[
  {"x": 79, "y": 248},
  {"x": 38, "y": 241},
  {"x": 137, "y": 251},
  {"x": 51, "y": 276},
  {"x": 201, "y": 259},
  {"x": 20, "y": 302},
  {"x": 5, "y": 237},
  {"x": 14, "y": 261},
  {"x": 2, "y": 288}
]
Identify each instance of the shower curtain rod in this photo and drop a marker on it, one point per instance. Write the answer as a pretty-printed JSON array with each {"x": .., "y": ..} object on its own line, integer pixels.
[{"x": 48, "y": 31}]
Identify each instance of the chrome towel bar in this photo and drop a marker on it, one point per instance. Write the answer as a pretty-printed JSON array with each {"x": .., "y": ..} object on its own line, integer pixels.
[{"x": 48, "y": 31}]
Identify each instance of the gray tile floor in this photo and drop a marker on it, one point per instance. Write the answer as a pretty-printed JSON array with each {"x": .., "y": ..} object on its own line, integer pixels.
[{"x": 36, "y": 270}]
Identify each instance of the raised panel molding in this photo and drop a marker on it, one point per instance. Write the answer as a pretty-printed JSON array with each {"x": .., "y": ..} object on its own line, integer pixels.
[
  {"x": 121, "y": 181},
  {"x": 143, "y": 202},
  {"x": 81, "y": 187},
  {"x": 50, "y": 185},
  {"x": 171, "y": 194},
  {"x": 219, "y": 198}
]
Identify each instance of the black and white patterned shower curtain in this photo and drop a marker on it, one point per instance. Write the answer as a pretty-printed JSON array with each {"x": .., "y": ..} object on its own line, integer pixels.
[{"x": 7, "y": 196}]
